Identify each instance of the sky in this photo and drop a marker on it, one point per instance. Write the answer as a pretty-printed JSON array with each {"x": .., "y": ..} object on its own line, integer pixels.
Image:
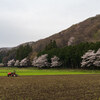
[{"x": 30, "y": 20}]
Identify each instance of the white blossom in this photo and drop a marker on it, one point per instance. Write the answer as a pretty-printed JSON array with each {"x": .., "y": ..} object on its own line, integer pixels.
[
  {"x": 41, "y": 61},
  {"x": 55, "y": 62},
  {"x": 24, "y": 62},
  {"x": 11, "y": 62},
  {"x": 91, "y": 58},
  {"x": 17, "y": 63},
  {"x": 71, "y": 40}
]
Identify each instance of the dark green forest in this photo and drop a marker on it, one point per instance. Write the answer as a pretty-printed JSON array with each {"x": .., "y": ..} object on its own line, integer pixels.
[
  {"x": 70, "y": 56},
  {"x": 23, "y": 51},
  {"x": 17, "y": 54}
]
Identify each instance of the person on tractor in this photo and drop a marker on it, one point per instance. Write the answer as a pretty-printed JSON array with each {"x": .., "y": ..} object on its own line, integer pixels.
[{"x": 12, "y": 74}]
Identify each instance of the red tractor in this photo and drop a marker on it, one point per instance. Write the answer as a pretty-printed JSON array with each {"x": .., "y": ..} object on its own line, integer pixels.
[{"x": 12, "y": 74}]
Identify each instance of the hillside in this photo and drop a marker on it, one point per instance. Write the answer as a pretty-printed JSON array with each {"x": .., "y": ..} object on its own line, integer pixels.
[{"x": 86, "y": 31}]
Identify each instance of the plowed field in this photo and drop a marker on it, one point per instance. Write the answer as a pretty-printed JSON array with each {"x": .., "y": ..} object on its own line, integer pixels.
[{"x": 62, "y": 87}]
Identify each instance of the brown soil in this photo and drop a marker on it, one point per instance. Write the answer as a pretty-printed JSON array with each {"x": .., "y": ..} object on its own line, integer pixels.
[{"x": 67, "y": 87}]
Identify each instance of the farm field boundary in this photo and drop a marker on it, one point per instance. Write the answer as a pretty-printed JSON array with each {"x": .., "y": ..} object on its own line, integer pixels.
[{"x": 35, "y": 71}]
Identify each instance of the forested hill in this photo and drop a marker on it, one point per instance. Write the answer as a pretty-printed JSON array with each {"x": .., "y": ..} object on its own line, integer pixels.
[{"x": 86, "y": 31}]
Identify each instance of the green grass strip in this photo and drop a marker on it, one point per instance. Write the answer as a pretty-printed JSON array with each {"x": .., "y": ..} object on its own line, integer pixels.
[{"x": 35, "y": 71}]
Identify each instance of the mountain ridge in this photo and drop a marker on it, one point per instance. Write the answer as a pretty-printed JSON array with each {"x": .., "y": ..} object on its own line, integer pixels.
[{"x": 85, "y": 31}]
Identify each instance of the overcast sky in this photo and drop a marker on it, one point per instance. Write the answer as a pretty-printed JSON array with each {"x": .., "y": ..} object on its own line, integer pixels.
[{"x": 30, "y": 20}]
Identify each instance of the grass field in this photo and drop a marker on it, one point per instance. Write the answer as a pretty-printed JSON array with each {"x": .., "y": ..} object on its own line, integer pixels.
[
  {"x": 35, "y": 71},
  {"x": 50, "y": 87}
]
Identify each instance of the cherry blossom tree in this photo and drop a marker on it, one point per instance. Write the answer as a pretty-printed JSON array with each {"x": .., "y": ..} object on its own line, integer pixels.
[
  {"x": 71, "y": 40},
  {"x": 11, "y": 62},
  {"x": 55, "y": 62},
  {"x": 91, "y": 58},
  {"x": 17, "y": 63},
  {"x": 24, "y": 62},
  {"x": 41, "y": 61}
]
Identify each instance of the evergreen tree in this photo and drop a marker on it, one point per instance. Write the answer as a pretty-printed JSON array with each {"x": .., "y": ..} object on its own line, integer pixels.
[
  {"x": 70, "y": 56},
  {"x": 23, "y": 51},
  {"x": 51, "y": 45}
]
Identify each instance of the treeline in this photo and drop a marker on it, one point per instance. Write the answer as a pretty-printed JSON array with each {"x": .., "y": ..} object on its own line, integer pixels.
[
  {"x": 17, "y": 54},
  {"x": 70, "y": 56},
  {"x": 23, "y": 51}
]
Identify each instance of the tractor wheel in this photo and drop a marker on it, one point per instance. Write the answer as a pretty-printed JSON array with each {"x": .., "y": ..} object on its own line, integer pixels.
[
  {"x": 9, "y": 75},
  {"x": 15, "y": 75}
]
